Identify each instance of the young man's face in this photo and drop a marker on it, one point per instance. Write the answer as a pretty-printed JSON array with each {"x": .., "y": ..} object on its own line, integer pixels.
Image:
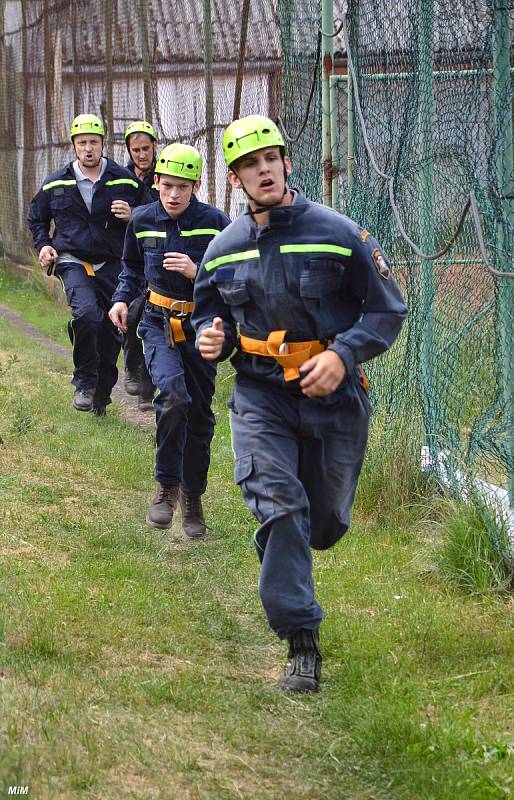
[
  {"x": 88, "y": 148},
  {"x": 175, "y": 193},
  {"x": 142, "y": 150},
  {"x": 261, "y": 174}
]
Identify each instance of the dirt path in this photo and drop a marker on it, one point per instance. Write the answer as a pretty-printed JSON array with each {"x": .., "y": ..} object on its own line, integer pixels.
[{"x": 145, "y": 419}]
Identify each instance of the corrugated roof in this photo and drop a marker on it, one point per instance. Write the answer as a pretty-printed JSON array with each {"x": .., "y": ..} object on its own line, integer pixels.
[{"x": 175, "y": 30}]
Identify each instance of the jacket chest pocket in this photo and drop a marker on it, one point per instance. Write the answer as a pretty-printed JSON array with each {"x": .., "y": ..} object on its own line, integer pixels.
[
  {"x": 320, "y": 277},
  {"x": 60, "y": 200},
  {"x": 232, "y": 286},
  {"x": 154, "y": 258}
]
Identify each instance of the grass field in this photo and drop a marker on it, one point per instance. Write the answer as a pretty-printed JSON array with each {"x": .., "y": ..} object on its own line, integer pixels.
[{"x": 136, "y": 665}]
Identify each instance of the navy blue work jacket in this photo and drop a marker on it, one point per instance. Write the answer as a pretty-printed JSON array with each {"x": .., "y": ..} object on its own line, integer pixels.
[
  {"x": 313, "y": 273},
  {"x": 94, "y": 236},
  {"x": 147, "y": 180},
  {"x": 152, "y": 232}
]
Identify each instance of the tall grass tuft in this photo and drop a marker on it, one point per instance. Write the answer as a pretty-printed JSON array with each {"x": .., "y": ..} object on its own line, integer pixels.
[
  {"x": 472, "y": 546},
  {"x": 392, "y": 487}
]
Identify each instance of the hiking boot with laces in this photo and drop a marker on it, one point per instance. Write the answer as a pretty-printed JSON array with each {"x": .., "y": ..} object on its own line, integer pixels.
[
  {"x": 193, "y": 520},
  {"x": 160, "y": 513},
  {"x": 303, "y": 671},
  {"x": 83, "y": 399}
]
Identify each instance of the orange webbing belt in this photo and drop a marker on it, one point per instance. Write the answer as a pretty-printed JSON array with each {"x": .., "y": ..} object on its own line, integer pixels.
[
  {"x": 293, "y": 354},
  {"x": 89, "y": 269},
  {"x": 179, "y": 307}
]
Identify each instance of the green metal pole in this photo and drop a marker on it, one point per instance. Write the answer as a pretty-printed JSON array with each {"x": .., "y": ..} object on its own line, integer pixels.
[
  {"x": 327, "y": 52},
  {"x": 425, "y": 305},
  {"x": 351, "y": 131},
  {"x": 451, "y": 74},
  {"x": 334, "y": 141},
  {"x": 505, "y": 172}
]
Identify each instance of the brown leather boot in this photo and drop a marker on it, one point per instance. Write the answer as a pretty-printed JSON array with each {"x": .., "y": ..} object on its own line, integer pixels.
[
  {"x": 303, "y": 671},
  {"x": 160, "y": 513},
  {"x": 193, "y": 520}
]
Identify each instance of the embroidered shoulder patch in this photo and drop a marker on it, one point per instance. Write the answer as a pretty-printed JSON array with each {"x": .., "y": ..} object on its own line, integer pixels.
[
  {"x": 364, "y": 235},
  {"x": 381, "y": 264}
]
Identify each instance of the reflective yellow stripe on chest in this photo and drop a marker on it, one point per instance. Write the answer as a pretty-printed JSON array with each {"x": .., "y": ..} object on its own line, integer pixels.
[
  {"x": 334, "y": 249},
  {"x": 230, "y": 258}
]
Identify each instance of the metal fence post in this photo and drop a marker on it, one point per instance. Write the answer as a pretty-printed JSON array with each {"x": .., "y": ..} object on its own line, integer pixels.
[
  {"x": 327, "y": 52},
  {"x": 502, "y": 100}
]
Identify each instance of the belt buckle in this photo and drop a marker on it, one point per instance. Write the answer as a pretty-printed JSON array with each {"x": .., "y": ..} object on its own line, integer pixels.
[{"x": 180, "y": 314}]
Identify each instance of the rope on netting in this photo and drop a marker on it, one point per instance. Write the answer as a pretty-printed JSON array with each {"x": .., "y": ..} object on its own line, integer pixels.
[
  {"x": 280, "y": 122},
  {"x": 471, "y": 203}
]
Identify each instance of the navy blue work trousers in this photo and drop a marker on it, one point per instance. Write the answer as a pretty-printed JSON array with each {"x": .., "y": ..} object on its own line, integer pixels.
[
  {"x": 133, "y": 355},
  {"x": 297, "y": 462},
  {"x": 96, "y": 342},
  {"x": 185, "y": 421}
]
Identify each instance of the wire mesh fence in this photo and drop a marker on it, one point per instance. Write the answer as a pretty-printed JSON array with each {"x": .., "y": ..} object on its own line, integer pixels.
[
  {"x": 178, "y": 65},
  {"x": 424, "y": 121}
]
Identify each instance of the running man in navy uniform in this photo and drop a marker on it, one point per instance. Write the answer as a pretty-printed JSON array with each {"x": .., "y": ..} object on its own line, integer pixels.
[
  {"x": 141, "y": 142},
  {"x": 164, "y": 246},
  {"x": 306, "y": 296},
  {"x": 90, "y": 202}
]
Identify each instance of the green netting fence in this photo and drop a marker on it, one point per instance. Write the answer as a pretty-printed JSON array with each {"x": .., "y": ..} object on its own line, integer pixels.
[
  {"x": 414, "y": 113},
  {"x": 398, "y": 119}
]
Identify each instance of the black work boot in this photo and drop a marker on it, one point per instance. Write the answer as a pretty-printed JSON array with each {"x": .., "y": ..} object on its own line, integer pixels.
[
  {"x": 164, "y": 503},
  {"x": 83, "y": 399},
  {"x": 160, "y": 513},
  {"x": 145, "y": 403},
  {"x": 193, "y": 520},
  {"x": 303, "y": 671},
  {"x": 132, "y": 383}
]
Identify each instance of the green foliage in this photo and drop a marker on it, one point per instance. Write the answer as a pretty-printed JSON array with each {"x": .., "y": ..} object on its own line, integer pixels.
[
  {"x": 472, "y": 547},
  {"x": 135, "y": 664},
  {"x": 392, "y": 485}
]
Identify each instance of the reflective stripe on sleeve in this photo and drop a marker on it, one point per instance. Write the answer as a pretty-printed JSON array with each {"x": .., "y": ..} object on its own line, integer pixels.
[
  {"x": 53, "y": 184},
  {"x": 230, "y": 258},
  {"x": 119, "y": 181},
  {"x": 201, "y": 232},
  {"x": 315, "y": 248},
  {"x": 152, "y": 234}
]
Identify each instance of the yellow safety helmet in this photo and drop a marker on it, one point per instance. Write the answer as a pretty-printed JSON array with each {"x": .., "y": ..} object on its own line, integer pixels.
[
  {"x": 180, "y": 160},
  {"x": 247, "y": 134},
  {"x": 87, "y": 123}
]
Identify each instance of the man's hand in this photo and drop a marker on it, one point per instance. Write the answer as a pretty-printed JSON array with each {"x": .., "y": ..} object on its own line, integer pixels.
[
  {"x": 118, "y": 316},
  {"x": 121, "y": 209},
  {"x": 47, "y": 256},
  {"x": 326, "y": 371},
  {"x": 179, "y": 262},
  {"x": 210, "y": 341}
]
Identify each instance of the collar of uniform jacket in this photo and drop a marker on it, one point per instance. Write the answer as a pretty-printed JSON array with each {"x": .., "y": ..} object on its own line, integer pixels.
[
  {"x": 187, "y": 216},
  {"x": 112, "y": 169},
  {"x": 280, "y": 216},
  {"x": 148, "y": 179}
]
